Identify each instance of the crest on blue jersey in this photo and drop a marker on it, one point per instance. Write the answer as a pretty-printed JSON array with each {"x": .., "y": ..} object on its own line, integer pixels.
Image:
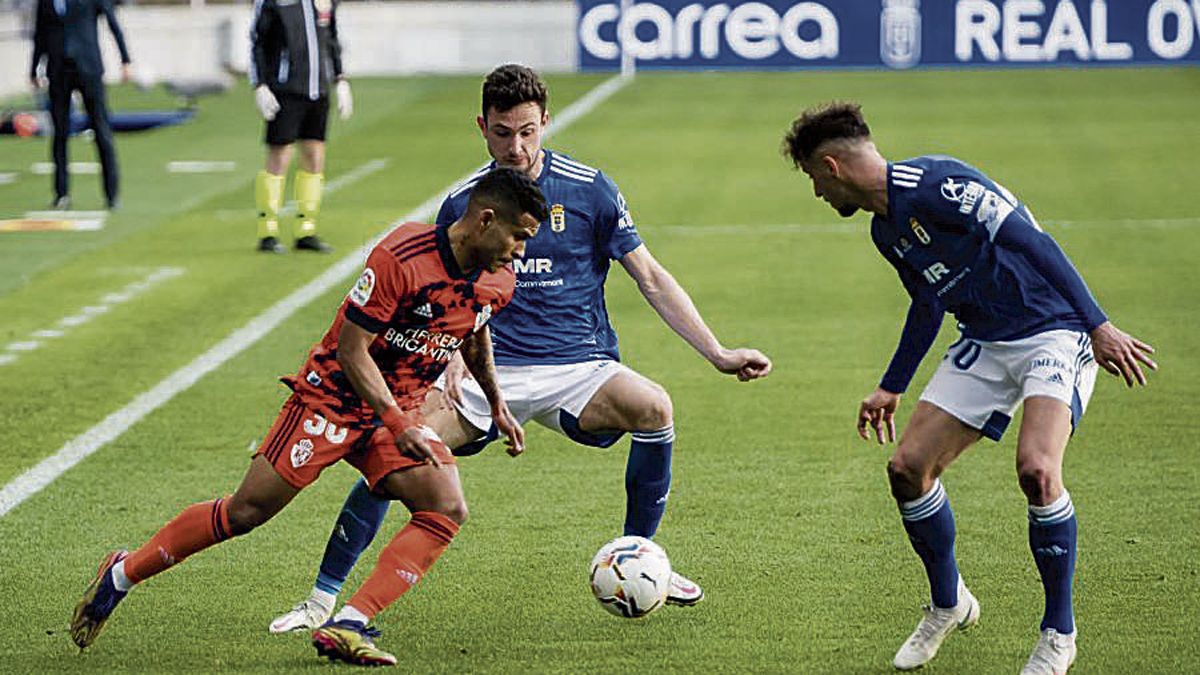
[{"x": 558, "y": 218}]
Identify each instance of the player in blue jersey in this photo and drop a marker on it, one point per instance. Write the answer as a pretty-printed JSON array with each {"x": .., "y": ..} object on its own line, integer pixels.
[
  {"x": 556, "y": 353},
  {"x": 1031, "y": 335}
]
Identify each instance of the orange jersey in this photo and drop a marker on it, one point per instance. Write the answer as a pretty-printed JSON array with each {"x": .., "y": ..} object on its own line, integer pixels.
[{"x": 420, "y": 305}]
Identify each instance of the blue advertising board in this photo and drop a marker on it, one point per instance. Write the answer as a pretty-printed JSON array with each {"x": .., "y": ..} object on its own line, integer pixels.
[{"x": 885, "y": 33}]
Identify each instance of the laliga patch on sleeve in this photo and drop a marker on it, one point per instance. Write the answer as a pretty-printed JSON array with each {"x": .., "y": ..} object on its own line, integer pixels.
[{"x": 363, "y": 288}]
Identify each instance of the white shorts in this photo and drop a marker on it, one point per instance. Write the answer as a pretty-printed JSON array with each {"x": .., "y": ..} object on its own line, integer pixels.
[
  {"x": 982, "y": 383},
  {"x": 552, "y": 395}
]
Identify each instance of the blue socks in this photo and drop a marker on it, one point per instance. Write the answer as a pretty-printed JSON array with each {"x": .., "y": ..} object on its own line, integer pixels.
[
  {"x": 361, "y": 516},
  {"x": 648, "y": 480},
  {"x": 930, "y": 526},
  {"x": 1052, "y": 532}
]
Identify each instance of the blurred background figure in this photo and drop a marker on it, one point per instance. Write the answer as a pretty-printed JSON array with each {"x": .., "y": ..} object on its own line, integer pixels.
[
  {"x": 291, "y": 40},
  {"x": 65, "y": 34}
]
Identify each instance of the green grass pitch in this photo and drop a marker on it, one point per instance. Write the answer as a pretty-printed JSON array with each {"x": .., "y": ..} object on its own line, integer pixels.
[{"x": 777, "y": 508}]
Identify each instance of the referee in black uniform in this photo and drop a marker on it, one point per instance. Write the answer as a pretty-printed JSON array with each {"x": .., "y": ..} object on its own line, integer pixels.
[
  {"x": 295, "y": 58},
  {"x": 65, "y": 33}
]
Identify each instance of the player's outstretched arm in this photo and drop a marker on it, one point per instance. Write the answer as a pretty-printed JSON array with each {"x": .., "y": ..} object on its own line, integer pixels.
[
  {"x": 1120, "y": 353},
  {"x": 878, "y": 411},
  {"x": 676, "y": 308},
  {"x": 477, "y": 355},
  {"x": 368, "y": 382}
]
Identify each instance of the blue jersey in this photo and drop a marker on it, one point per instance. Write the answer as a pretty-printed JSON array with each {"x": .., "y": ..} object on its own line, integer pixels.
[
  {"x": 557, "y": 314},
  {"x": 963, "y": 244}
]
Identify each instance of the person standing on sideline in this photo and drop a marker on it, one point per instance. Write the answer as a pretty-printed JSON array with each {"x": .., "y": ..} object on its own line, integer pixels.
[
  {"x": 1032, "y": 336},
  {"x": 295, "y": 55},
  {"x": 64, "y": 33}
]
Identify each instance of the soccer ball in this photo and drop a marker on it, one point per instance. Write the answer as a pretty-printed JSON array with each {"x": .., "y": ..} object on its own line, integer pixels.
[{"x": 631, "y": 576}]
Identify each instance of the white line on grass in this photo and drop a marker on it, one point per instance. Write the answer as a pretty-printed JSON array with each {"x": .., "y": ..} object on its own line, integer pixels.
[
  {"x": 66, "y": 215},
  {"x": 47, "y": 168},
  {"x": 199, "y": 166},
  {"x": 89, "y": 312},
  {"x": 110, "y": 428}
]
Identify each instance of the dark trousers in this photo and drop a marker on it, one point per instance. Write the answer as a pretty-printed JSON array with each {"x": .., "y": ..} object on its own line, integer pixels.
[{"x": 91, "y": 87}]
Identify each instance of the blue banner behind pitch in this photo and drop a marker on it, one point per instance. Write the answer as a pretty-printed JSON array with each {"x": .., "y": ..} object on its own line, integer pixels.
[{"x": 886, "y": 33}]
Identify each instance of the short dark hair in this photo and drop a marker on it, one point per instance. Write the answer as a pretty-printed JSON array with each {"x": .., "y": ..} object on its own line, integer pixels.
[
  {"x": 831, "y": 121},
  {"x": 509, "y": 193},
  {"x": 510, "y": 85}
]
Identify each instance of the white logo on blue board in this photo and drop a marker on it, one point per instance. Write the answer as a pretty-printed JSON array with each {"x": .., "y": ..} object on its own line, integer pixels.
[
  {"x": 900, "y": 33},
  {"x": 651, "y": 31}
]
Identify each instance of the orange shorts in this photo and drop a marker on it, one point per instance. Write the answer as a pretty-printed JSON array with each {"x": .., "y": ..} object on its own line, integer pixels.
[{"x": 302, "y": 443}]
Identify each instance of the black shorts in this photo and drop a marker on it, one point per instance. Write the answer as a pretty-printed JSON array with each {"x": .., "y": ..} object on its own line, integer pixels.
[{"x": 298, "y": 117}]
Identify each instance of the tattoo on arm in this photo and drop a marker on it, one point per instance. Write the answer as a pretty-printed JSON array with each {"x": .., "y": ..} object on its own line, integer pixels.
[{"x": 477, "y": 355}]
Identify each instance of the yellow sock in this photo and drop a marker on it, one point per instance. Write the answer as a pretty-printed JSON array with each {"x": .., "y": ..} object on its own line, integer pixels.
[
  {"x": 268, "y": 197},
  {"x": 308, "y": 202}
]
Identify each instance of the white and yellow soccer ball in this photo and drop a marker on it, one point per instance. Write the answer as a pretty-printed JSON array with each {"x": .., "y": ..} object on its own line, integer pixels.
[{"x": 631, "y": 576}]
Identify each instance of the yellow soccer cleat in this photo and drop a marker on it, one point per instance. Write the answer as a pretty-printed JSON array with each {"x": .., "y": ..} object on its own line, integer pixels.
[{"x": 350, "y": 641}]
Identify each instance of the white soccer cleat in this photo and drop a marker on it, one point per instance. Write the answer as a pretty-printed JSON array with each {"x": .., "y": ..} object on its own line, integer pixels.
[
  {"x": 1053, "y": 654},
  {"x": 683, "y": 592},
  {"x": 935, "y": 627},
  {"x": 306, "y": 616}
]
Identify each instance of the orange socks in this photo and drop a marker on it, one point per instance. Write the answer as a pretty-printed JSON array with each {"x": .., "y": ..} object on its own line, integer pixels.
[
  {"x": 404, "y": 561},
  {"x": 195, "y": 529}
]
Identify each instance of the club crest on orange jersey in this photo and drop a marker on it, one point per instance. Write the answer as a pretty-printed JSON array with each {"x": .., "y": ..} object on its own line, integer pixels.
[
  {"x": 922, "y": 235},
  {"x": 558, "y": 218},
  {"x": 301, "y": 453}
]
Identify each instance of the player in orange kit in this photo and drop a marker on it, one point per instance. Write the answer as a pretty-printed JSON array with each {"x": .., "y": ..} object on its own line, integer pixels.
[{"x": 426, "y": 292}]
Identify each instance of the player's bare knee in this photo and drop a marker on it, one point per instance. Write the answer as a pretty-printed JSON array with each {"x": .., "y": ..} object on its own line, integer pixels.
[
  {"x": 1040, "y": 483},
  {"x": 454, "y": 509},
  {"x": 245, "y": 516},
  {"x": 906, "y": 479},
  {"x": 659, "y": 413}
]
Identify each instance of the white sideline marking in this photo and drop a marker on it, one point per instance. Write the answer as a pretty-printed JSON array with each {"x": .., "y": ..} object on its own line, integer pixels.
[
  {"x": 47, "y": 168},
  {"x": 74, "y": 451},
  {"x": 88, "y": 312},
  {"x": 8, "y": 177},
  {"x": 198, "y": 166},
  {"x": 66, "y": 215},
  {"x": 80, "y": 221}
]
